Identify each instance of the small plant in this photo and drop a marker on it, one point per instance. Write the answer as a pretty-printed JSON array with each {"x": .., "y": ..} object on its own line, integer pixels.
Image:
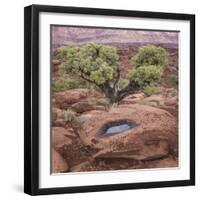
[
  {"x": 68, "y": 116},
  {"x": 149, "y": 90},
  {"x": 150, "y": 55}
]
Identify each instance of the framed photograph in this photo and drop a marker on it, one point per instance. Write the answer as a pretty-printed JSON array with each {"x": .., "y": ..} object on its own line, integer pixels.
[{"x": 109, "y": 99}]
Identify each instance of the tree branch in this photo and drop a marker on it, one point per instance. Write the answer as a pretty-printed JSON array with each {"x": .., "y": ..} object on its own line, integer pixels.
[
  {"x": 89, "y": 80},
  {"x": 131, "y": 88},
  {"x": 117, "y": 77}
]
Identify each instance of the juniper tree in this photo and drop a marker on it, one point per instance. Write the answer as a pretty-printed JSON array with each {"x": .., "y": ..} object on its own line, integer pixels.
[{"x": 99, "y": 65}]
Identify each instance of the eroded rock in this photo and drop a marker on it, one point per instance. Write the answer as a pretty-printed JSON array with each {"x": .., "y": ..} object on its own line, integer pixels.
[
  {"x": 65, "y": 99},
  {"x": 154, "y": 137},
  {"x": 60, "y": 137},
  {"x": 84, "y": 166},
  {"x": 59, "y": 165},
  {"x": 134, "y": 98},
  {"x": 82, "y": 106}
]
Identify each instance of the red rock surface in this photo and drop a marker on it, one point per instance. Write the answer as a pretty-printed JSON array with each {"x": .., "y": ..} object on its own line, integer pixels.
[
  {"x": 59, "y": 164},
  {"x": 154, "y": 136},
  {"x": 64, "y": 100}
]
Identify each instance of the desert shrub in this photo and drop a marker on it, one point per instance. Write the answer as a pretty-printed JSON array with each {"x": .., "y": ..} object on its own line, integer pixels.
[
  {"x": 67, "y": 84},
  {"x": 145, "y": 75},
  {"x": 149, "y": 90},
  {"x": 68, "y": 115},
  {"x": 174, "y": 80},
  {"x": 81, "y": 119},
  {"x": 150, "y": 55},
  {"x": 122, "y": 83},
  {"x": 98, "y": 65}
]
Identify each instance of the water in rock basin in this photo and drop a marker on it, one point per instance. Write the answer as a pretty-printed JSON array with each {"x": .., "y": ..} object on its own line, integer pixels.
[{"x": 116, "y": 128}]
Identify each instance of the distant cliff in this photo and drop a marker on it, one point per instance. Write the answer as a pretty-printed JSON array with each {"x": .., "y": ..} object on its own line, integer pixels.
[{"x": 118, "y": 37}]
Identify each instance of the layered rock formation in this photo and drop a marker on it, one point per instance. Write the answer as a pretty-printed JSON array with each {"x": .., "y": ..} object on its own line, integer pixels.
[
  {"x": 63, "y": 34},
  {"x": 153, "y": 142}
]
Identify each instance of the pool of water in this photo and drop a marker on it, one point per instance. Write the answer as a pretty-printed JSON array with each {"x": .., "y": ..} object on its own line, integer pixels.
[{"x": 116, "y": 127}]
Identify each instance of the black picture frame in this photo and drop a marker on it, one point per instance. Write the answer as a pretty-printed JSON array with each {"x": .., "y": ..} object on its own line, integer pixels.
[{"x": 31, "y": 98}]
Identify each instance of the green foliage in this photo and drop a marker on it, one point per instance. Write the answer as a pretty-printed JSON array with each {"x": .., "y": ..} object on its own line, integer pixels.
[
  {"x": 122, "y": 83},
  {"x": 68, "y": 115},
  {"x": 149, "y": 62},
  {"x": 149, "y": 90},
  {"x": 96, "y": 63},
  {"x": 145, "y": 75},
  {"x": 69, "y": 54},
  {"x": 61, "y": 52},
  {"x": 150, "y": 55},
  {"x": 67, "y": 84},
  {"x": 103, "y": 74},
  {"x": 60, "y": 85},
  {"x": 174, "y": 80}
]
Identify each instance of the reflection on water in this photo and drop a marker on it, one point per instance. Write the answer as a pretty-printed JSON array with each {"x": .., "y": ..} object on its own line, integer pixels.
[{"x": 116, "y": 127}]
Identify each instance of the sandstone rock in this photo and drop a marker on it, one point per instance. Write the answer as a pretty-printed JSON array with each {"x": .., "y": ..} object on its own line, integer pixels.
[
  {"x": 154, "y": 137},
  {"x": 60, "y": 137},
  {"x": 154, "y": 100},
  {"x": 145, "y": 153},
  {"x": 70, "y": 132},
  {"x": 56, "y": 113},
  {"x": 59, "y": 165},
  {"x": 56, "y": 62},
  {"x": 163, "y": 101},
  {"x": 64, "y": 100},
  {"x": 167, "y": 162},
  {"x": 53, "y": 102},
  {"x": 171, "y": 105},
  {"x": 173, "y": 101},
  {"x": 85, "y": 166},
  {"x": 82, "y": 119},
  {"x": 59, "y": 122},
  {"x": 82, "y": 106},
  {"x": 68, "y": 145},
  {"x": 134, "y": 98},
  {"x": 100, "y": 102},
  {"x": 85, "y": 106},
  {"x": 100, "y": 108}
]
